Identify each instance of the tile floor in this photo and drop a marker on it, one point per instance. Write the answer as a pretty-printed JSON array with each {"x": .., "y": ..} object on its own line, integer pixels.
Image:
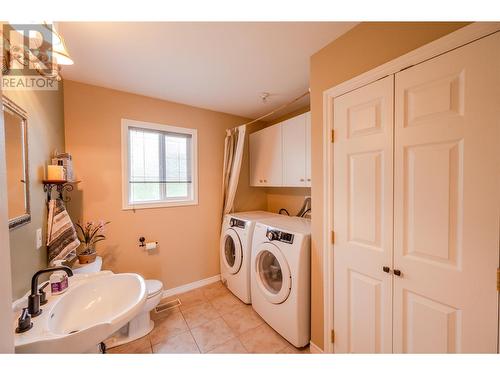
[{"x": 209, "y": 320}]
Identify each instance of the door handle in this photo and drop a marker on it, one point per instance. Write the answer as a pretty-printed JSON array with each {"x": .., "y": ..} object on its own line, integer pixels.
[
  {"x": 397, "y": 272},
  {"x": 386, "y": 269}
]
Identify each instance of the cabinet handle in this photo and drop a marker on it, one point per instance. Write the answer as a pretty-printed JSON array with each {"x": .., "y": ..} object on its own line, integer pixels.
[
  {"x": 301, "y": 180},
  {"x": 386, "y": 269},
  {"x": 397, "y": 272},
  {"x": 308, "y": 179},
  {"x": 265, "y": 180},
  {"x": 260, "y": 181}
]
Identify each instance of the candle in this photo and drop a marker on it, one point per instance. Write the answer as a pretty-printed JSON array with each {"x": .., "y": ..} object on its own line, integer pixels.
[{"x": 55, "y": 173}]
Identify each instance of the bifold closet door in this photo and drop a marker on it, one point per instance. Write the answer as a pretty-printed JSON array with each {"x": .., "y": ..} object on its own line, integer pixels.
[
  {"x": 362, "y": 209},
  {"x": 447, "y": 195}
]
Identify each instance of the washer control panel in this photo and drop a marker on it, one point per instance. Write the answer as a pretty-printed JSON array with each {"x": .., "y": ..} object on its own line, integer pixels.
[
  {"x": 237, "y": 223},
  {"x": 277, "y": 235}
]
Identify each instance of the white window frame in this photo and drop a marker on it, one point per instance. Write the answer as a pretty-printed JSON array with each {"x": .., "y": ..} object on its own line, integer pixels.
[{"x": 125, "y": 125}]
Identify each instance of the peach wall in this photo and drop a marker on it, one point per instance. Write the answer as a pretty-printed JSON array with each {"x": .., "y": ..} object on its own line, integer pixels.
[
  {"x": 364, "y": 47},
  {"x": 290, "y": 198},
  {"x": 189, "y": 235}
]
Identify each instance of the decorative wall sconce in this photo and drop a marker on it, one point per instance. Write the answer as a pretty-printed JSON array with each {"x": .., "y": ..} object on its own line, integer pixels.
[{"x": 60, "y": 187}]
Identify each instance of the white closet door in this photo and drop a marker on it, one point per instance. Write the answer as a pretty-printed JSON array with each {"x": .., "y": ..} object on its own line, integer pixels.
[
  {"x": 308, "y": 149},
  {"x": 294, "y": 151},
  {"x": 363, "y": 219},
  {"x": 447, "y": 197}
]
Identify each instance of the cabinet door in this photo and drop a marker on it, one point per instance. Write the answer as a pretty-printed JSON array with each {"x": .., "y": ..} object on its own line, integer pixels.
[
  {"x": 447, "y": 198},
  {"x": 256, "y": 162},
  {"x": 308, "y": 149},
  {"x": 266, "y": 167},
  {"x": 294, "y": 151},
  {"x": 362, "y": 219}
]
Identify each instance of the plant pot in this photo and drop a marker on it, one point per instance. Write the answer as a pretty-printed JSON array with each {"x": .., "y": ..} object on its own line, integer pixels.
[{"x": 86, "y": 258}]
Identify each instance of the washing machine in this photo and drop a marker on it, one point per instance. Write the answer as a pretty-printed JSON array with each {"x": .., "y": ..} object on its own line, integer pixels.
[
  {"x": 236, "y": 250},
  {"x": 280, "y": 276}
]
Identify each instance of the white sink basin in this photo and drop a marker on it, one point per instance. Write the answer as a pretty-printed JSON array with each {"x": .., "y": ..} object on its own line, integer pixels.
[{"x": 94, "y": 307}]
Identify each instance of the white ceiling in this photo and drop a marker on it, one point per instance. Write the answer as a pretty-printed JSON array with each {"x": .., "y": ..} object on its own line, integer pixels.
[{"x": 218, "y": 66}]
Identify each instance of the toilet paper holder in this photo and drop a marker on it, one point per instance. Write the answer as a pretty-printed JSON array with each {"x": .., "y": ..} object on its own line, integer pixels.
[
  {"x": 147, "y": 245},
  {"x": 142, "y": 241}
]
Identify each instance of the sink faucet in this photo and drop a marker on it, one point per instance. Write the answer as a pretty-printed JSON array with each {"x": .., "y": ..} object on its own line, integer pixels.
[{"x": 34, "y": 298}]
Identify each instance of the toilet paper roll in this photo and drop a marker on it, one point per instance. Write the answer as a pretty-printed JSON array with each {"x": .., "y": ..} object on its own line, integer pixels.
[{"x": 151, "y": 245}]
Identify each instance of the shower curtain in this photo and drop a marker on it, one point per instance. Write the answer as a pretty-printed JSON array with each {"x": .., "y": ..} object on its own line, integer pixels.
[{"x": 233, "y": 153}]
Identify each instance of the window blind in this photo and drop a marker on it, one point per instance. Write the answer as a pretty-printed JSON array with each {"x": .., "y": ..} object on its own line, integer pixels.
[{"x": 159, "y": 165}]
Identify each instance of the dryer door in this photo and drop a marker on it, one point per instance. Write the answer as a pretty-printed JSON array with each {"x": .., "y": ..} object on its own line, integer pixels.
[
  {"x": 231, "y": 251},
  {"x": 272, "y": 273}
]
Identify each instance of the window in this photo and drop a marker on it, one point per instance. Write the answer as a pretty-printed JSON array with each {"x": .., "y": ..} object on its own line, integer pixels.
[{"x": 159, "y": 165}]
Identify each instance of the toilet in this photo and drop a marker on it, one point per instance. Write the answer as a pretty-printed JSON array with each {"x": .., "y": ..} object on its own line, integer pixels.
[{"x": 142, "y": 324}]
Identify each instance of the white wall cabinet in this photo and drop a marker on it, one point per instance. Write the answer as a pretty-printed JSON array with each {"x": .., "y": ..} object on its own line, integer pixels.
[
  {"x": 266, "y": 157},
  {"x": 308, "y": 149},
  {"x": 280, "y": 155}
]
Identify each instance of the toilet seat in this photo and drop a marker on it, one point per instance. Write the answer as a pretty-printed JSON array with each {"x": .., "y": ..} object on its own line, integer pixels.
[{"x": 153, "y": 287}]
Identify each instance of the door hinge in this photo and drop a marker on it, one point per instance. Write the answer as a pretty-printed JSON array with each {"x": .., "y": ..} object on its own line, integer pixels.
[
  {"x": 333, "y": 237},
  {"x": 332, "y": 336},
  {"x": 498, "y": 279},
  {"x": 333, "y": 135}
]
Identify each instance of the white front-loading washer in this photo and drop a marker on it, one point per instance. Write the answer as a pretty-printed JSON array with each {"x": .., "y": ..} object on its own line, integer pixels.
[
  {"x": 236, "y": 250},
  {"x": 280, "y": 276}
]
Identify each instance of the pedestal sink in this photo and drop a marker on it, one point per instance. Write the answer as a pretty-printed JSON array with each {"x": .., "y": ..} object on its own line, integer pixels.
[{"x": 92, "y": 309}]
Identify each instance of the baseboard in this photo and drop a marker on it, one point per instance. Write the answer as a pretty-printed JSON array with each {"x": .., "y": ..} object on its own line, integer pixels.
[
  {"x": 315, "y": 349},
  {"x": 187, "y": 287}
]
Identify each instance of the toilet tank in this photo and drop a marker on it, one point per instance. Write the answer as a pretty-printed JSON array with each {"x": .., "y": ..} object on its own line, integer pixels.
[{"x": 88, "y": 268}]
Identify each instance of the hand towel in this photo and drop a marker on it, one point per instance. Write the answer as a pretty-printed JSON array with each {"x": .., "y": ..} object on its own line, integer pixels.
[{"x": 61, "y": 233}]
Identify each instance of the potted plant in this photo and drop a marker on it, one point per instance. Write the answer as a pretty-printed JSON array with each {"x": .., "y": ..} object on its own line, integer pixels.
[{"x": 89, "y": 235}]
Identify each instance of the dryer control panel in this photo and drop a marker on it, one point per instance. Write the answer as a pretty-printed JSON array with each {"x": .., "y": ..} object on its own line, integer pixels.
[
  {"x": 277, "y": 235},
  {"x": 237, "y": 223}
]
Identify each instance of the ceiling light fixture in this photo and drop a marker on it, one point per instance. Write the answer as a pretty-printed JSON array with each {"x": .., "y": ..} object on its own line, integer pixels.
[
  {"x": 264, "y": 96},
  {"x": 49, "y": 55}
]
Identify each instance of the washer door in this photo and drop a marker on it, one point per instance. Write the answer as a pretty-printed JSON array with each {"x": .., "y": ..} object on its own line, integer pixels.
[
  {"x": 272, "y": 273},
  {"x": 231, "y": 251}
]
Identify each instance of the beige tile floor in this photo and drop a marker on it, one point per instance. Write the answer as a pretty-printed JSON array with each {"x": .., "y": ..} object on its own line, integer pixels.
[{"x": 209, "y": 320}]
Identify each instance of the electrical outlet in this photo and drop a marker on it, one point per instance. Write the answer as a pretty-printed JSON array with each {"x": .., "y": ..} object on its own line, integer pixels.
[{"x": 38, "y": 238}]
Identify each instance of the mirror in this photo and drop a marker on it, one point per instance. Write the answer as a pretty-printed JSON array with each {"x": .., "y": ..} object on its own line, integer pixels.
[{"x": 16, "y": 158}]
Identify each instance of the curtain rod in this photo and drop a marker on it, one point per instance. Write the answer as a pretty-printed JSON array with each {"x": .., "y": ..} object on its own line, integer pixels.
[{"x": 279, "y": 108}]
